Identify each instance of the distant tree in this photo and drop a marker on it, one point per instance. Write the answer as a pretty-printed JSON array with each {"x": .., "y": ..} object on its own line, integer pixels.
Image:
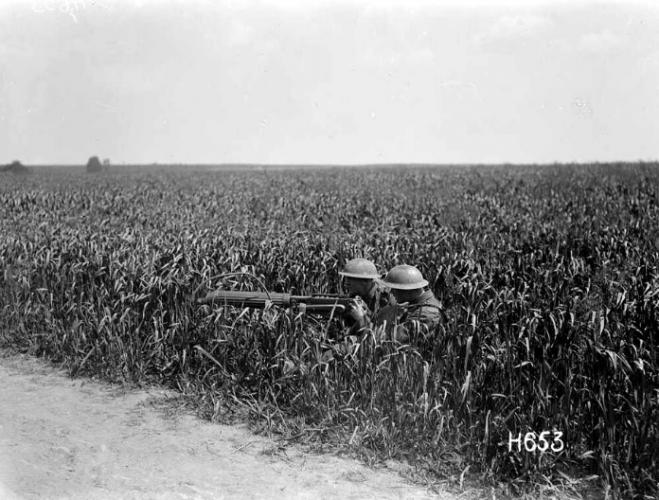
[
  {"x": 94, "y": 164},
  {"x": 106, "y": 162}
]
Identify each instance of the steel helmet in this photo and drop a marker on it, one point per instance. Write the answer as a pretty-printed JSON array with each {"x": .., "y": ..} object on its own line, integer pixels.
[
  {"x": 404, "y": 277},
  {"x": 360, "y": 269}
]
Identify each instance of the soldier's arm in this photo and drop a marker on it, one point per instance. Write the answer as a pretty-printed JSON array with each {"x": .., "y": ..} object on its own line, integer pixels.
[
  {"x": 391, "y": 318},
  {"x": 358, "y": 315}
]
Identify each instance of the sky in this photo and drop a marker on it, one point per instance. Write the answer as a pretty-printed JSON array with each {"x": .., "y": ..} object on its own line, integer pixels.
[{"x": 343, "y": 81}]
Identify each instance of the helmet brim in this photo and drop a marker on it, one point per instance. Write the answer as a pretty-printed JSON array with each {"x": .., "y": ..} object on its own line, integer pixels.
[
  {"x": 405, "y": 286},
  {"x": 359, "y": 276}
]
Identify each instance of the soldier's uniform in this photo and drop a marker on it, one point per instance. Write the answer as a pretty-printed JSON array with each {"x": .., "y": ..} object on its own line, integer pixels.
[
  {"x": 426, "y": 308},
  {"x": 372, "y": 293},
  {"x": 422, "y": 306},
  {"x": 378, "y": 298}
]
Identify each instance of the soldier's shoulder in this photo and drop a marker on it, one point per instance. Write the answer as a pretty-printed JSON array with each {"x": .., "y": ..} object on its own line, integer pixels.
[
  {"x": 387, "y": 298},
  {"x": 430, "y": 308},
  {"x": 430, "y": 311},
  {"x": 390, "y": 313}
]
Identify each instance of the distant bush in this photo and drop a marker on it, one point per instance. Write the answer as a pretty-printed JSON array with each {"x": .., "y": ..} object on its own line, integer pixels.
[
  {"x": 94, "y": 164},
  {"x": 15, "y": 167}
]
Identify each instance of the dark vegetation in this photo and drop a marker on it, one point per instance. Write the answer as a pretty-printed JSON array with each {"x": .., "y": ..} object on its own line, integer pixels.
[
  {"x": 548, "y": 274},
  {"x": 94, "y": 164},
  {"x": 15, "y": 167}
]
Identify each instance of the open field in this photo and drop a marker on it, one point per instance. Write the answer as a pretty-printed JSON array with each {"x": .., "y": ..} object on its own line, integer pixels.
[{"x": 548, "y": 276}]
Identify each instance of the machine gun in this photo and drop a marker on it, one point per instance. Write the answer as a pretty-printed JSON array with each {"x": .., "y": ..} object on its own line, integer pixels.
[{"x": 325, "y": 304}]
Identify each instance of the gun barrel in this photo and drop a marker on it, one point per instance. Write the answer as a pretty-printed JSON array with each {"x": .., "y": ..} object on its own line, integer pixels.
[
  {"x": 258, "y": 300},
  {"x": 246, "y": 299}
]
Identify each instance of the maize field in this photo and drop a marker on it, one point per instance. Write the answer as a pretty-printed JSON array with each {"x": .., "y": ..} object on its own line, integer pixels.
[{"x": 548, "y": 276}]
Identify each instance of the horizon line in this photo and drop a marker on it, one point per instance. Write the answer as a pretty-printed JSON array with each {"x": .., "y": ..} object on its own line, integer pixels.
[{"x": 375, "y": 164}]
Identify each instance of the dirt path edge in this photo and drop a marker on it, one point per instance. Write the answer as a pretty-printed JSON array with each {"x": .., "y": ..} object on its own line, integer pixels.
[{"x": 64, "y": 438}]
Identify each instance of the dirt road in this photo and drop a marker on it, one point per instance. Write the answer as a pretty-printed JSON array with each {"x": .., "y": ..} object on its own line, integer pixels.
[{"x": 65, "y": 438}]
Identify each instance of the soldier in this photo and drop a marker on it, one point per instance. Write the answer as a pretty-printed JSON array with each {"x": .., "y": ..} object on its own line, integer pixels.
[
  {"x": 361, "y": 281},
  {"x": 414, "y": 301}
]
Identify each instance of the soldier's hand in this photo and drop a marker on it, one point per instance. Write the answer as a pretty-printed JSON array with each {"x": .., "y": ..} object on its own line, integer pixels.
[
  {"x": 358, "y": 311},
  {"x": 401, "y": 334}
]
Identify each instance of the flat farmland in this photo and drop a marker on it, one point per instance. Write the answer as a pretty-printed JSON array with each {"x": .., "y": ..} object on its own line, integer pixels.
[{"x": 548, "y": 276}]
